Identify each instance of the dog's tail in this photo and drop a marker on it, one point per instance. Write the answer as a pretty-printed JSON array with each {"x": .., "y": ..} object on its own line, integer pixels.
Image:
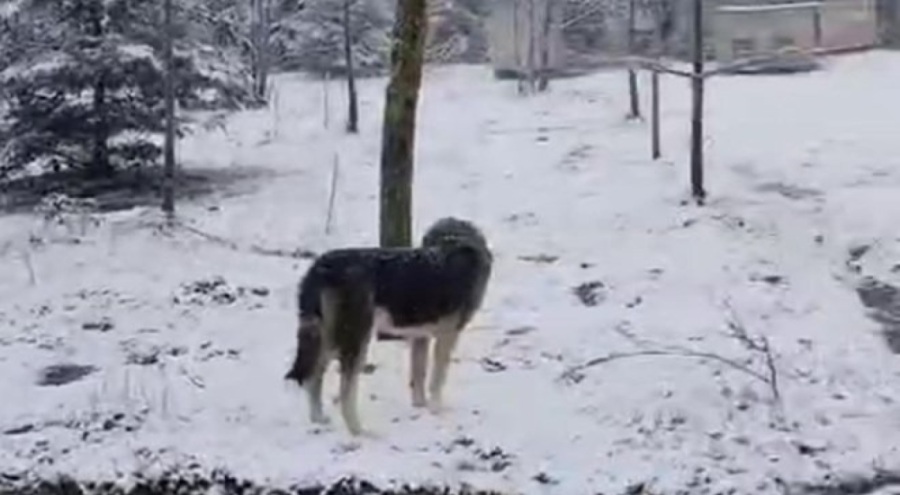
[
  {"x": 335, "y": 312},
  {"x": 309, "y": 349},
  {"x": 310, "y": 335}
]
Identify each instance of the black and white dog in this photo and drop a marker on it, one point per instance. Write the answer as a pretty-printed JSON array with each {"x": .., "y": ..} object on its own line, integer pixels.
[{"x": 350, "y": 295}]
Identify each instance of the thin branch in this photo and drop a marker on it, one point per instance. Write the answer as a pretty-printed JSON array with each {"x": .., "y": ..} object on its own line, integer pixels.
[
  {"x": 759, "y": 345},
  {"x": 572, "y": 372},
  {"x": 26, "y": 259},
  {"x": 252, "y": 248},
  {"x": 333, "y": 194},
  {"x": 653, "y": 64}
]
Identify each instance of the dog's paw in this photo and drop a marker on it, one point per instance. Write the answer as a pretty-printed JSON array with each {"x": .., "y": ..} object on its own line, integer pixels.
[
  {"x": 419, "y": 401},
  {"x": 369, "y": 435},
  {"x": 320, "y": 419},
  {"x": 437, "y": 407},
  {"x": 363, "y": 434}
]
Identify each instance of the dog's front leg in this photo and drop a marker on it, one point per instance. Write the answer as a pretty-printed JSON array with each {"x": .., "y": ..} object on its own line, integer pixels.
[
  {"x": 418, "y": 368},
  {"x": 444, "y": 343}
]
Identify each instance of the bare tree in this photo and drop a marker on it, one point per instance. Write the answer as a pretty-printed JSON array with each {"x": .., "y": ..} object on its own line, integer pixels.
[
  {"x": 168, "y": 205},
  {"x": 655, "y": 146},
  {"x": 635, "y": 112},
  {"x": 662, "y": 30},
  {"x": 260, "y": 26},
  {"x": 697, "y": 80},
  {"x": 517, "y": 47},
  {"x": 352, "y": 98},
  {"x": 532, "y": 47},
  {"x": 398, "y": 134},
  {"x": 546, "y": 25}
]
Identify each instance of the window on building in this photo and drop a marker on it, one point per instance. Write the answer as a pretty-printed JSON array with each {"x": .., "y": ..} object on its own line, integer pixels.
[
  {"x": 743, "y": 47},
  {"x": 782, "y": 42}
]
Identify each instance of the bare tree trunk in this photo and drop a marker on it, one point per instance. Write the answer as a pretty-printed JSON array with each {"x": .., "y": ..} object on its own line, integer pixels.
[
  {"x": 635, "y": 112},
  {"x": 259, "y": 38},
  {"x": 265, "y": 56},
  {"x": 662, "y": 28},
  {"x": 517, "y": 44},
  {"x": 546, "y": 23},
  {"x": 100, "y": 165},
  {"x": 656, "y": 146},
  {"x": 168, "y": 189},
  {"x": 531, "y": 47},
  {"x": 398, "y": 134},
  {"x": 353, "y": 108},
  {"x": 254, "y": 46},
  {"x": 697, "y": 190}
]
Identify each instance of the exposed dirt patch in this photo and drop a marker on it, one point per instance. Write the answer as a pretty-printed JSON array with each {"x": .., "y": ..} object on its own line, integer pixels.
[
  {"x": 64, "y": 374},
  {"x": 129, "y": 188},
  {"x": 789, "y": 191},
  {"x": 882, "y": 300}
]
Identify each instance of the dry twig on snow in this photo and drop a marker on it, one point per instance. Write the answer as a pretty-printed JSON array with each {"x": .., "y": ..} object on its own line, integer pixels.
[{"x": 759, "y": 345}]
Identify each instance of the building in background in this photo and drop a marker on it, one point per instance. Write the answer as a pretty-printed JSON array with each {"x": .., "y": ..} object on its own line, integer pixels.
[
  {"x": 518, "y": 32},
  {"x": 585, "y": 34},
  {"x": 749, "y": 29}
]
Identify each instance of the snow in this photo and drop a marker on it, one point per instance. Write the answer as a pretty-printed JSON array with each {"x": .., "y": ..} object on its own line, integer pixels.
[
  {"x": 770, "y": 7},
  {"x": 801, "y": 169},
  {"x": 50, "y": 62}
]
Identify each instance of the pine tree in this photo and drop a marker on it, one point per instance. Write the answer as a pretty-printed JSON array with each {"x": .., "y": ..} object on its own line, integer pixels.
[
  {"x": 314, "y": 39},
  {"x": 86, "y": 90}
]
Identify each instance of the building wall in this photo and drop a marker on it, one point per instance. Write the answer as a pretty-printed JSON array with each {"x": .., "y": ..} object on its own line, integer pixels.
[
  {"x": 740, "y": 33},
  {"x": 509, "y": 32},
  {"x": 849, "y": 23},
  {"x": 888, "y": 14},
  {"x": 843, "y": 23}
]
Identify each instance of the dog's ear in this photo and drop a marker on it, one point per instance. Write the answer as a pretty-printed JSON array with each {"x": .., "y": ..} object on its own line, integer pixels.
[{"x": 463, "y": 257}]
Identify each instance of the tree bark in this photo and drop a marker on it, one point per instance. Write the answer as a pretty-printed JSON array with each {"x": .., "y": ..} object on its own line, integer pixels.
[
  {"x": 697, "y": 190},
  {"x": 352, "y": 98},
  {"x": 398, "y": 134},
  {"x": 168, "y": 189}
]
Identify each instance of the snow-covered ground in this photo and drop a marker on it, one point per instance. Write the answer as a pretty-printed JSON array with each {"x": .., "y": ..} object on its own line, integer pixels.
[{"x": 801, "y": 171}]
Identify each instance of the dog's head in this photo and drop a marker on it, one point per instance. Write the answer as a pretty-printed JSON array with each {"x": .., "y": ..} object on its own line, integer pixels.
[{"x": 453, "y": 232}]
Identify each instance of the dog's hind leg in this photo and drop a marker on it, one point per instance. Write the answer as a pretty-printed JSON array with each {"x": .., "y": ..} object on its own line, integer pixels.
[
  {"x": 418, "y": 368},
  {"x": 349, "y": 391},
  {"x": 349, "y": 396},
  {"x": 314, "y": 388},
  {"x": 351, "y": 307},
  {"x": 444, "y": 344}
]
